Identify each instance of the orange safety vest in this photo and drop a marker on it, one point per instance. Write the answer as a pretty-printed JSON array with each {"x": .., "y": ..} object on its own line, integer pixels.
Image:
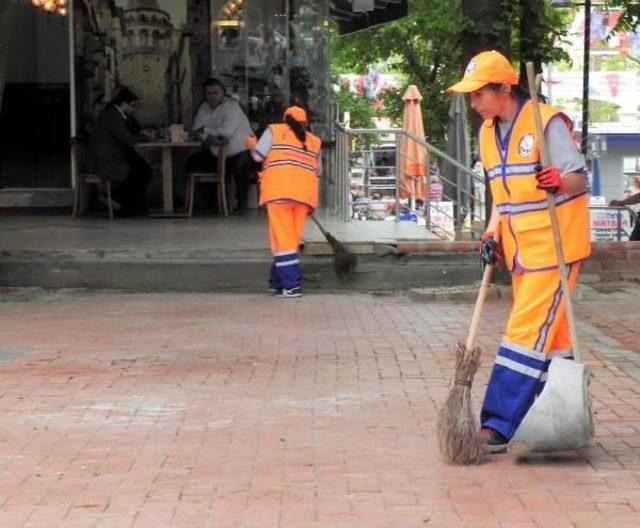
[
  {"x": 290, "y": 173},
  {"x": 525, "y": 225}
]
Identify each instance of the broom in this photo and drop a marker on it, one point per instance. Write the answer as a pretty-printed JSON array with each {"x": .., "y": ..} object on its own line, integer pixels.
[
  {"x": 458, "y": 433},
  {"x": 344, "y": 261}
]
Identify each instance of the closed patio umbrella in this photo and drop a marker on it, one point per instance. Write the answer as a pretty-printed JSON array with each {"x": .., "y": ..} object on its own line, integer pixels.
[
  {"x": 458, "y": 149},
  {"x": 414, "y": 159}
]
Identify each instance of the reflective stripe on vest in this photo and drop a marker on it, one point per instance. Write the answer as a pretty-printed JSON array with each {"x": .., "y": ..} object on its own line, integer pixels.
[
  {"x": 525, "y": 226},
  {"x": 289, "y": 171}
]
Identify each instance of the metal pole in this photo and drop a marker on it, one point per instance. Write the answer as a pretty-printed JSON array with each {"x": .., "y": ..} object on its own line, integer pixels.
[
  {"x": 397, "y": 177},
  {"x": 584, "y": 141},
  {"x": 338, "y": 174},
  {"x": 347, "y": 179},
  {"x": 427, "y": 210},
  {"x": 72, "y": 90},
  {"x": 458, "y": 206}
]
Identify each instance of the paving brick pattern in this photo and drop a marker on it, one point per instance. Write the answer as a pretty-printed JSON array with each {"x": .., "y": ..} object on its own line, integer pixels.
[{"x": 195, "y": 411}]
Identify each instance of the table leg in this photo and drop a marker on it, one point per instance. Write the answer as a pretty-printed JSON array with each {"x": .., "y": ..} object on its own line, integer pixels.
[{"x": 167, "y": 180}]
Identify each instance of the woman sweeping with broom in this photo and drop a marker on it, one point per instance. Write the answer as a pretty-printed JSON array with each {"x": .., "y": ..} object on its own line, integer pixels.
[
  {"x": 519, "y": 232},
  {"x": 289, "y": 190}
]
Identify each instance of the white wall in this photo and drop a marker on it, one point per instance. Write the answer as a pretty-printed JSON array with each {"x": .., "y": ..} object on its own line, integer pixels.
[{"x": 612, "y": 178}]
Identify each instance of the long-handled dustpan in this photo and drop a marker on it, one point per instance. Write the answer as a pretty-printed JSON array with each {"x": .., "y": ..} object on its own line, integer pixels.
[{"x": 560, "y": 418}]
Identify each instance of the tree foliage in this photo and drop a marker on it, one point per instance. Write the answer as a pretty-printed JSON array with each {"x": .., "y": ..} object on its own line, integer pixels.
[
  {"x": 630, "y": 17},
  {"x": 418, "y": 49},
  {"x": 432, "y": 45},
  {"x": 360, "y": 109}
]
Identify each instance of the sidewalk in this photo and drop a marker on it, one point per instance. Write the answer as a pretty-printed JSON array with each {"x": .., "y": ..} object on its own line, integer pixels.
[{"x": 195, "y": 411}]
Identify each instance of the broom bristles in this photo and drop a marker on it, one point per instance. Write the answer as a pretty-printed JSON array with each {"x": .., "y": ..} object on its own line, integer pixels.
[
  {"x": 458, "y": 433},
  {"x": 344, "y": 261}
]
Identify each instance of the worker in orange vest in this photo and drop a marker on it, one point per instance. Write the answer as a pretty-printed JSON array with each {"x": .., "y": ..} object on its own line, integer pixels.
[
  {"x": 519, "y": 232},
  {"x": 290, "y": 157}
]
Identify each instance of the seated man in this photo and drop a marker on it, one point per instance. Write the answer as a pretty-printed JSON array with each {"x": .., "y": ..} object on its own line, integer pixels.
[
  {"x": 113, "y": 158},
  {"x": 220, "y": 118}
]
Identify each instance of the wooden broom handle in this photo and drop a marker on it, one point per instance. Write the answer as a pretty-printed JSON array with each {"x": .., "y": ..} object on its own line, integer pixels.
[
  {"x": 555, "y": 226},
  {"x": 477, "y": 311},
  {"x": 317, "y": 222}
]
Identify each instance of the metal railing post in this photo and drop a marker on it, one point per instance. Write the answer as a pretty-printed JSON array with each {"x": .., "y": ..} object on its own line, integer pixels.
[
  {"x": 398, "y": 165},
  {"x": 619, "y": 221},
  {"x": 347, "y": 178},
  {"x": 427, "y": 210},
  {"x": 458, "y": 206},
  {"x": 336, "y": 172}
]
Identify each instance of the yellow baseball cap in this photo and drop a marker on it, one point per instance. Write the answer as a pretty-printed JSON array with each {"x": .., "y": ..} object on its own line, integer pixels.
[
  {"x": 485, "y": 68},
  {"x": 297, "y": 113}
]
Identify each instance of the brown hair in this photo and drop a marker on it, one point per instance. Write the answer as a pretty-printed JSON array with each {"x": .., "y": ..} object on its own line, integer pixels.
[{"x": 298, "y": 129}]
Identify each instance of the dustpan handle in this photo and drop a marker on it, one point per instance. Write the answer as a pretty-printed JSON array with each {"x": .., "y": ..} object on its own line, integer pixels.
[
  {"x": 555, "y": 226},
  {"x": 477, "y": 311}
]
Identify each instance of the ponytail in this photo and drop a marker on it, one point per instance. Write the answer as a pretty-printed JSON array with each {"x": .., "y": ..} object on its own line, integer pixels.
[{"x": 298, "y": 129}]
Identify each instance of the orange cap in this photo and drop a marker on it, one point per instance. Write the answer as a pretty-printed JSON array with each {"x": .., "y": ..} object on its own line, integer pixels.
[
  {"x": 296, "y": 113},
  {"x": 485, "y": 68}
]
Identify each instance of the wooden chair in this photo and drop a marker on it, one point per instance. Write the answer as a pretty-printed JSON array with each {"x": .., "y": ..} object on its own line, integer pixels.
[
  {"x": 218, "y": 177},
  {"x": 85, "y": 178}
]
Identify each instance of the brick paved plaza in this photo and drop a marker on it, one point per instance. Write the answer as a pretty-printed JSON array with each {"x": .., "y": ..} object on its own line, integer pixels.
[{"x": 195, "y": 411}]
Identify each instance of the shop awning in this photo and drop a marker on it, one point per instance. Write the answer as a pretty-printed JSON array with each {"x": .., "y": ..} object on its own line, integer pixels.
[{"x": 356, "y": 15}]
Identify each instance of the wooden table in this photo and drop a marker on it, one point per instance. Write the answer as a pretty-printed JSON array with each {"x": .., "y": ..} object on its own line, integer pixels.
[{"x": 167, "y": 170}]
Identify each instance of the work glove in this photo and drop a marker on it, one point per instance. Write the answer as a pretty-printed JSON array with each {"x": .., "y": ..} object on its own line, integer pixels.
[
  {"x": 250, "y": 142},
  {"x": 548, "y": 178},
  {"x": 490, "y": 249}
]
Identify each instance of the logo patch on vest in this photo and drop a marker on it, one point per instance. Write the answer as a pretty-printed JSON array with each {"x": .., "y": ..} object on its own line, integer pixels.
[
  {"x": 471, "y": 67},
  {"x": 526, "y": 144}
]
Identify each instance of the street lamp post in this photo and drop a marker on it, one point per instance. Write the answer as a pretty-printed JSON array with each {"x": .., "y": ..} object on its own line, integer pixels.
[{"x": 584, "y": 140}]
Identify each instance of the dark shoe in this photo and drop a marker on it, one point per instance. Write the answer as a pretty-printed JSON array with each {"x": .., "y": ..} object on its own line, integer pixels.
[
  {"x": 293, "y": 293},
  {"x": 495, "y": 442}
]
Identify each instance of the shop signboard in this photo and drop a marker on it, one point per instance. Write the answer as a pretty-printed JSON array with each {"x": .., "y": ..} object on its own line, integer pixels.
[{"x": 609, "y": 224}]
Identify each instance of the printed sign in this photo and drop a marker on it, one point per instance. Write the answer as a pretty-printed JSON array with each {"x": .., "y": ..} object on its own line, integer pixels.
[
  {"x": 442, "y": 217},
  {"x": 609, "y": 224}
]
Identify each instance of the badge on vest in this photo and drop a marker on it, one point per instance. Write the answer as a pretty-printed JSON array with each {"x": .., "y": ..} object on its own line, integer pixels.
[{"x": 526, "y": 144}]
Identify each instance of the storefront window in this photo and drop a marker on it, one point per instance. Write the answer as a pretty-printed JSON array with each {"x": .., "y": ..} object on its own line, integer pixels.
[{"x": 271, "y": 55}]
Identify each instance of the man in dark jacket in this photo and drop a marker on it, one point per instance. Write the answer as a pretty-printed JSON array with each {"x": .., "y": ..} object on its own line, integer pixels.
[{"x": 112, "y": 155}]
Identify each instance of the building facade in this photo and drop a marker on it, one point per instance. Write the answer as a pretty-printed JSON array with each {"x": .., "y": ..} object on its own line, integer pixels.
[{"x": 62, "y": 71}]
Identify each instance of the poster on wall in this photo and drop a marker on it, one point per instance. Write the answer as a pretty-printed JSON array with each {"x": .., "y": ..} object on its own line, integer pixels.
[
  {"x": 608, "y": 225},
  {"x": 159, "y": 49}
]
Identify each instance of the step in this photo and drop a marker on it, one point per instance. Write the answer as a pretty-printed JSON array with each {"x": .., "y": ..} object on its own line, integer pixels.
[{"x": 174, "y": 270}]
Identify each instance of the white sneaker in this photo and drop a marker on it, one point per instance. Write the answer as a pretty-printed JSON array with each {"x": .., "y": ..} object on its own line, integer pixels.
[{"x": 293, "y": 292}]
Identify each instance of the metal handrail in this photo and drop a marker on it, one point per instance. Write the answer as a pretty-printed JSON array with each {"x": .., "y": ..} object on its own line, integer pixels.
[
  {"x": 421, "y": 141},
  {"x": 344, "y": 167}
]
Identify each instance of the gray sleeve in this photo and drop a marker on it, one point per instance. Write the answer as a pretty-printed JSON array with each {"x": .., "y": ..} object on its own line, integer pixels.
[
  {"x": 562, "y": 150},
  {"x": 263, "y": 146}
]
